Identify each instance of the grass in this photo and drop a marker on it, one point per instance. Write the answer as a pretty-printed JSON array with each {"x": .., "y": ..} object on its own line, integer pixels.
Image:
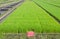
[
  {"x": 29, "y": 16},
  {"x": 55, "y": 2},
  {"x": 52, "y": 9}
]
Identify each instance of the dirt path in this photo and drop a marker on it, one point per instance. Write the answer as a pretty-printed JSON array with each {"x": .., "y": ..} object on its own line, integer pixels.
[{"x": 14, "y": 6}]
